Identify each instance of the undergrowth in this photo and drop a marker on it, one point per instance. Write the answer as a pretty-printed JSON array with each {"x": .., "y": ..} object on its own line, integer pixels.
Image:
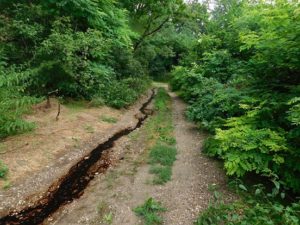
[
  {"x": 149, "y": 211},
  {"x": 255, "y": 206}
]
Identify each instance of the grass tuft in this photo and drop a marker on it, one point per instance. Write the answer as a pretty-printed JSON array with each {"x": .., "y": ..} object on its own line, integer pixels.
[
  {"x": 3, "y": 170},
  {"x": 163, "y": 174},
  {"x": 162, "y": 154},
  {"x": 149, "y": 212},
  {"x": 108, "y": 119},
  {"x": 160, "y": 130}
]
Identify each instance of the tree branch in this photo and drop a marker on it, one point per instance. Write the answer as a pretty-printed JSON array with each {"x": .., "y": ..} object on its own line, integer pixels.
[{"x": 146, "y": 33}]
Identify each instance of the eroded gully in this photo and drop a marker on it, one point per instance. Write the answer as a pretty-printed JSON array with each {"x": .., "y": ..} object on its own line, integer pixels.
[{"x": 72, "y": 185}]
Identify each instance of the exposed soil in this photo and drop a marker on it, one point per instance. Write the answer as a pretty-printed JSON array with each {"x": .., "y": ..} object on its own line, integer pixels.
[
  {"x": 57, "y": 139},
  {"x": 27, "y": 153},
  {"x": 110, "y": 197}
]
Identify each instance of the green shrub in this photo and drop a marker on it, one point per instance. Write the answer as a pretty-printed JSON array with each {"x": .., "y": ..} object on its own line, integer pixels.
[
  {"x": 255, "y": 206},
  {"x": 13, "y": 104},
  {"x": 243, "y": 87},
  {"x": 124, "y": 92},
  {"x": 250, "y": 212},
  {"x": 245, "y": 149}
]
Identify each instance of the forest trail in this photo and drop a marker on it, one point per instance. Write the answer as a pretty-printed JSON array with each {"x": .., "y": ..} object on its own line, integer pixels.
[{"x": 110, "y": 198}]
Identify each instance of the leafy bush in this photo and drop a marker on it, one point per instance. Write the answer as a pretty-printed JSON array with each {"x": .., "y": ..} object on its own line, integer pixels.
[
  {"x": 124, "y": 92},
  {"x": 244, "y": 90},
  {"x": 13, "y": 104}
]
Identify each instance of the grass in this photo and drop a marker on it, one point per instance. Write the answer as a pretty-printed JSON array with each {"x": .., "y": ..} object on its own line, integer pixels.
[
  {"x": 6, "y": 185},
  {"x": 108, "y": 119},
  {"x": 104, "y": 213},
  {"x": 76, "y": 106},
  {"x": 161, "y": 158},
  {"x": 163, "y": 174},
  {"x": 3, "y": 170},
  {"x": 89, "y": 129},
  {"x": 160, "y": 133},
  {"x": 149, "y": 211},
  {"x": 162, "y": 154}
]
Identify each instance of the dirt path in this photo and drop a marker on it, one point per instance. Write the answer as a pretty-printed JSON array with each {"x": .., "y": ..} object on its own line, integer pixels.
[{"x": 110, "y": 197}]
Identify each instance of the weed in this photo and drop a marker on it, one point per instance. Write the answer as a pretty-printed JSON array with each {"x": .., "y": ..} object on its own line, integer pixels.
[
  {"x": 77, "y": 141},
  {"x": 3, "y": 170},
  {"x": 162, "y": 154},
  {"x": 6, "y": 185},
  {"x": 108, "y": 218},
  {"x": 108, "y": 119},
  {"x": 104, "y": 212},
  {"x": 163, "y": 174},
  {"x": 149, "y": 212},
  {"x": 89, "y": 129}
]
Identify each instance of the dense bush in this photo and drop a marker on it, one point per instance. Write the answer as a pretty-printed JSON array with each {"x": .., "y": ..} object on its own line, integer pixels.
[
  {"x": 243, "y": 87},
  {"x": 13, "y": 103}
]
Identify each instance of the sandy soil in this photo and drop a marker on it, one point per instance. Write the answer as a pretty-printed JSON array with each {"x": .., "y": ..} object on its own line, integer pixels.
[
  {"x": 127, "y": 183},
  {"x": 38, "y": 159},
  {"x": 28, "y": 153}
]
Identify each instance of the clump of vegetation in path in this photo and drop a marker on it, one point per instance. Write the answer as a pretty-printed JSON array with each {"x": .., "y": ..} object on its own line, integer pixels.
[
  {"x": 161, "y": 159},
  {"x": 149, "y": 211},
  {"x": 3, "y": 170},
  {"x": 160, "y": 128},
  {"x": 3, "y": 175}
]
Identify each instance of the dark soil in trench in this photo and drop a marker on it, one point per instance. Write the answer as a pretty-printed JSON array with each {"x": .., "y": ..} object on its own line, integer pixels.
[{"x": 72, "y": 185}]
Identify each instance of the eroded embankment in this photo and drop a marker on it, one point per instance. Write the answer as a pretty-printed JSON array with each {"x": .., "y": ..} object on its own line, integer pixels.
[{"x": 72, "y": 185}]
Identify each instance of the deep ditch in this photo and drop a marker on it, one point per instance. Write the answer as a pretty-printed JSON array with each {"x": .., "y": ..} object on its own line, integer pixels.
[{"x": 72, "y": 185}]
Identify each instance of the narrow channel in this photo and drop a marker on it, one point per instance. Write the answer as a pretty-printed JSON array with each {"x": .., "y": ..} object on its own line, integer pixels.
[{"x": 73, "y": 184}]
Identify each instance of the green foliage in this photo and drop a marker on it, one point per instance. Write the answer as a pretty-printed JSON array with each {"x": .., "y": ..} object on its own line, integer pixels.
[
  {"x": 149, "y": 212},
  {"x": 250, "y": 212},
  {"x": 13, "y": 103},
  {"x": 254, "y": 207},
  {"x": 3, "y": 170},
  {"x": 123, "y": 93},
  {"x": 70, "y": 46},
  {"x": 242, "y": 86},
  {"x": 246, "y": 150}
]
